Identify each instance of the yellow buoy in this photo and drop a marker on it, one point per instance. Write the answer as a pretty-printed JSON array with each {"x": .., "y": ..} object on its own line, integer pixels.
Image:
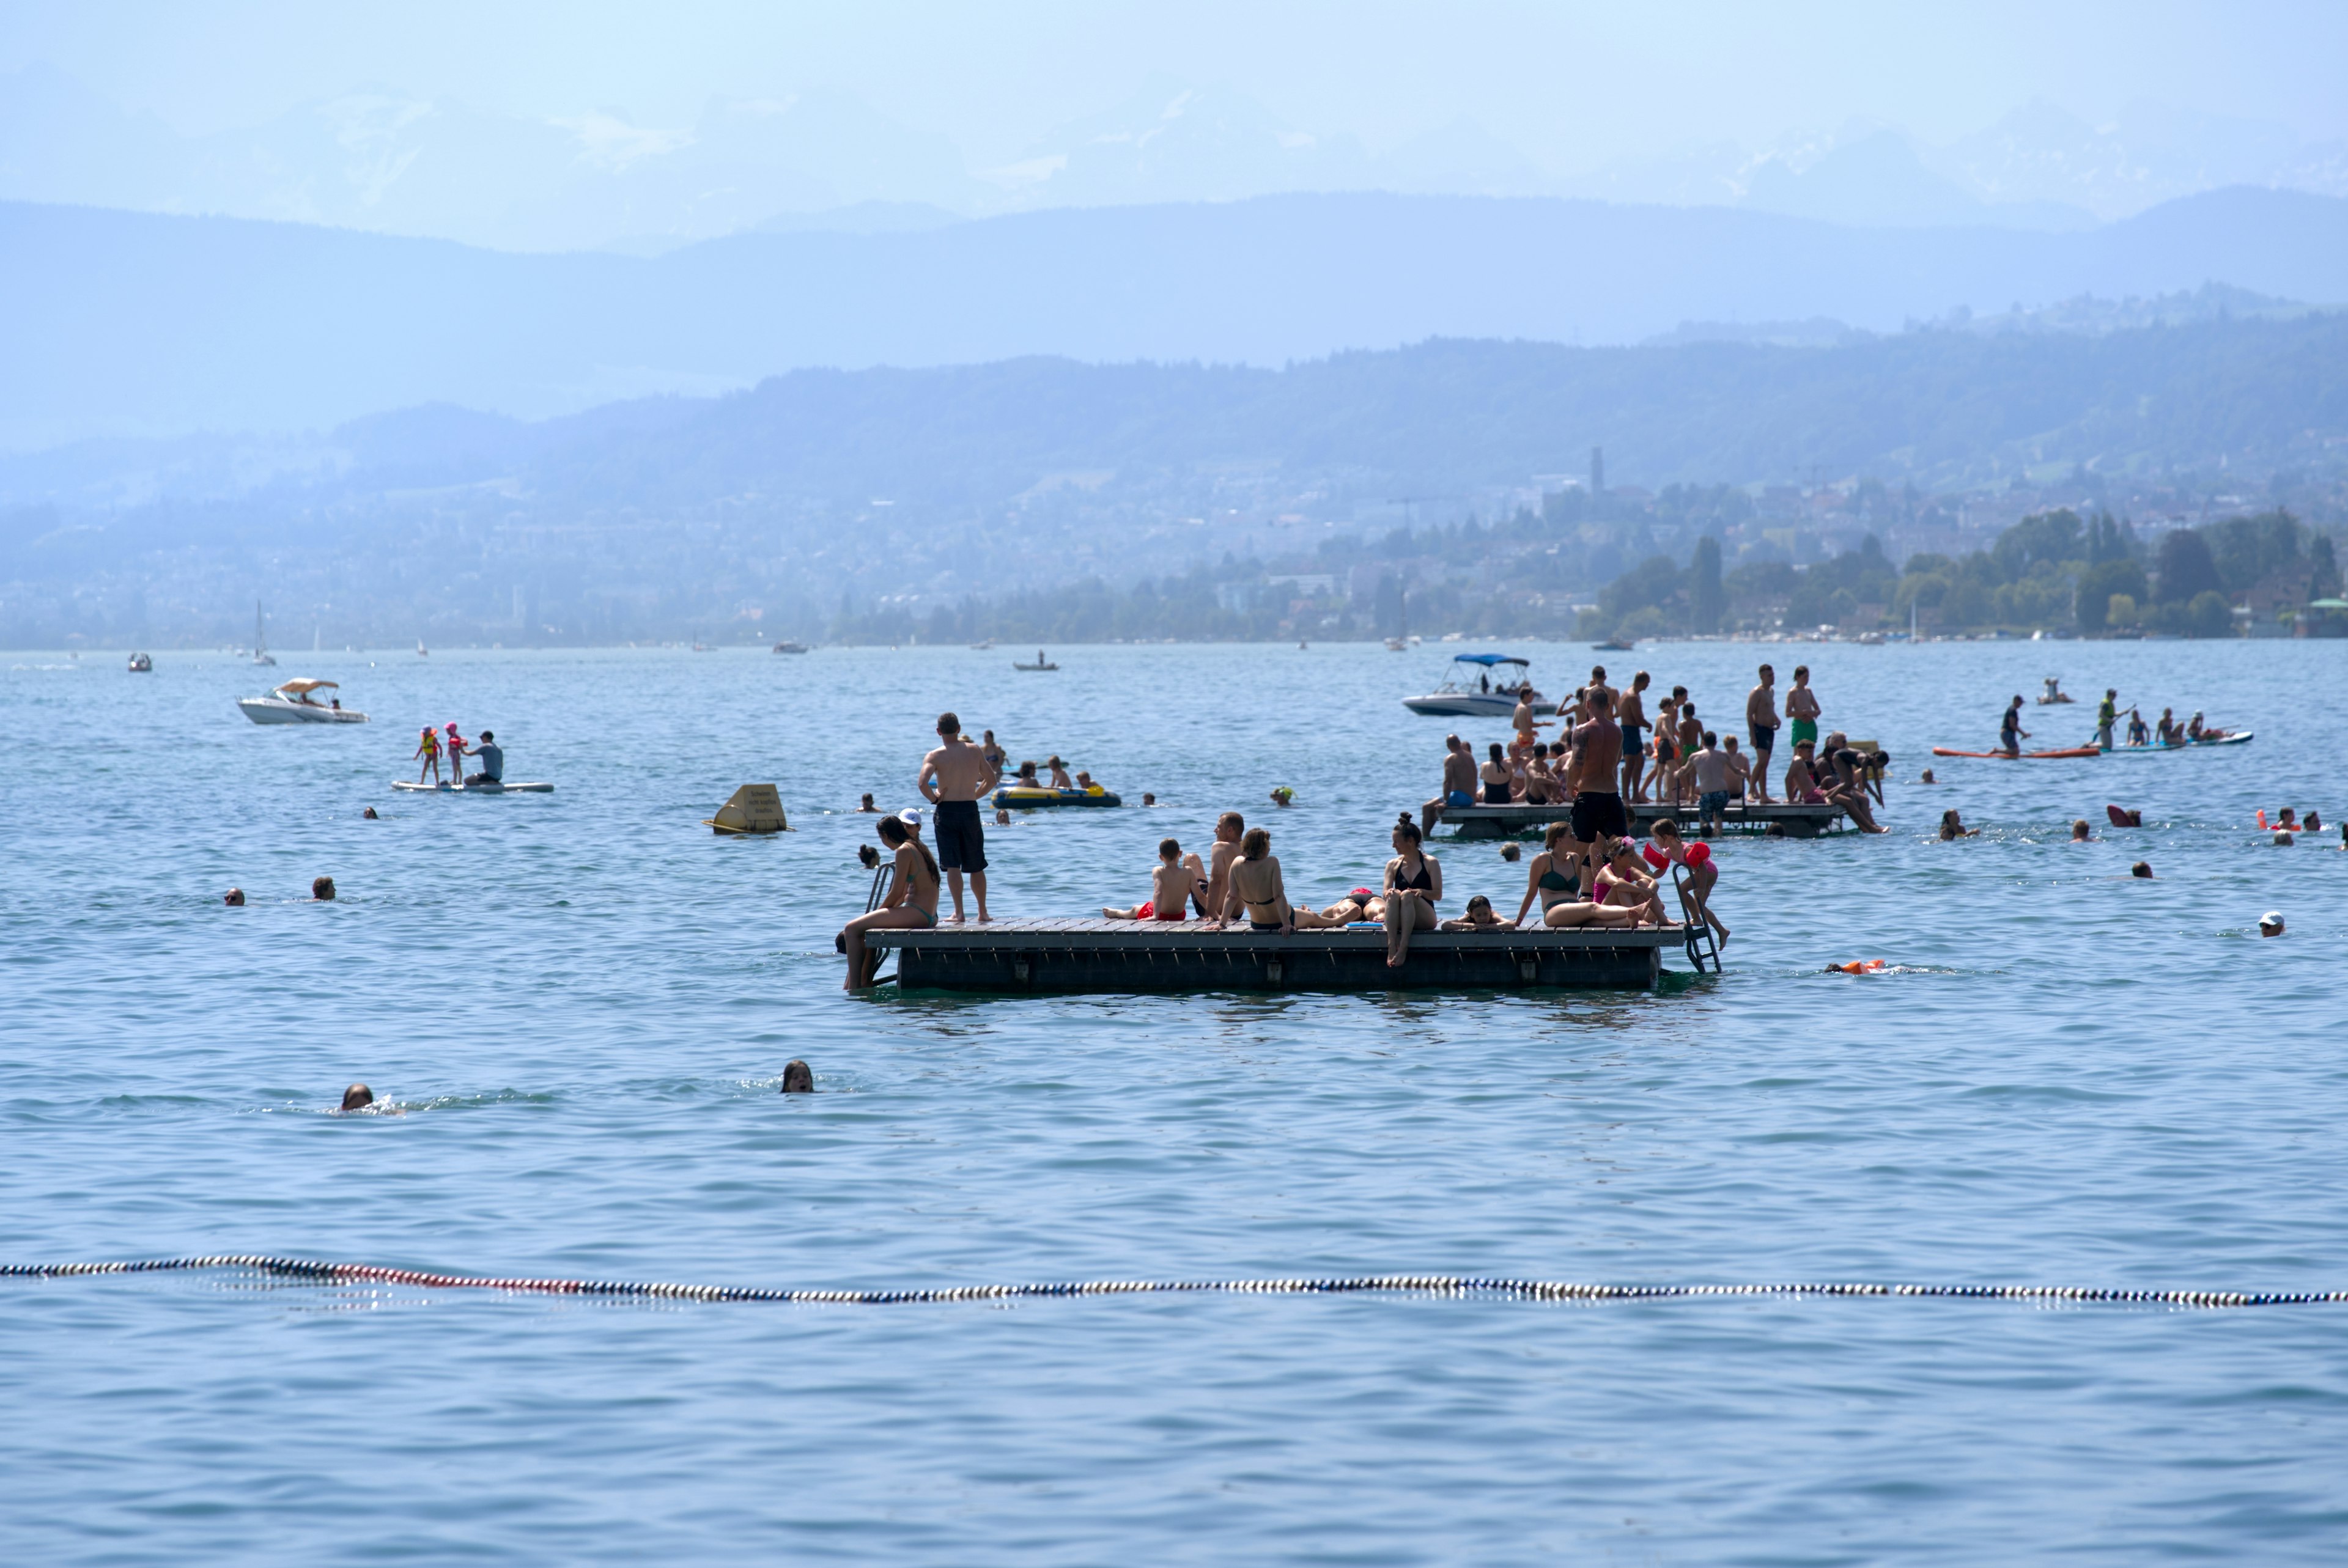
[{"x": 755, "y": 808}]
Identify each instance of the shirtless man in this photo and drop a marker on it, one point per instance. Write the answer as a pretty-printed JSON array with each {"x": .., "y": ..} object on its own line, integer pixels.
[
  {"x": 1631, "y": 715},
  {"x": 1598, "y": 761},
  {"x": 1522, "y": 718},
  {"x": 1230, "y": 828},
  {"x": 954, "y": 778},
  {"x": 1458, "y": 781},
  {"x": 1761, "y": 723},
  {"x": 1802, "y": 706},
  {"x": 1173, "y": 882}
]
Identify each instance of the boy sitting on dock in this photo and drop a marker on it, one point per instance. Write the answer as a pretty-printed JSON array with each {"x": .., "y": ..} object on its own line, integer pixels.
[{"x": 1177, "y": 878}]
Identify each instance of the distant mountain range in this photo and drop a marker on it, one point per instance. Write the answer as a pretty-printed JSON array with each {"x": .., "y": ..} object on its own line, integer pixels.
[
  {"x": 140, "y": 324},
  {"x": 401, "y": 163}
]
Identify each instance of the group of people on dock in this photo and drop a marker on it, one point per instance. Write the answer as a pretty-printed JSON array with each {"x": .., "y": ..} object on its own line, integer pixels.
[
  {"x": 1607, "y": 749},
  {"x": 1588, "y": 873}
]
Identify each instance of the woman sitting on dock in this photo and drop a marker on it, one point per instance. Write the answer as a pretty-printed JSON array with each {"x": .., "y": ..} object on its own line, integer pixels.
[
  {"x": 1496, "y": 777},
  {"x": 1555, "y": 874},
  {"x": 1256, "y": 887},
  {"x": 912, "y": 903},
  {"x": 1414, "y": 885},
  {"x": 1624, "y": 884}
]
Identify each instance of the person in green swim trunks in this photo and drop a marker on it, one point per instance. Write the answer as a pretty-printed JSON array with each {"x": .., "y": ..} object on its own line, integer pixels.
[
  {"x": 1802, "y": 706},
  {"x": 2108, "y": 713}
]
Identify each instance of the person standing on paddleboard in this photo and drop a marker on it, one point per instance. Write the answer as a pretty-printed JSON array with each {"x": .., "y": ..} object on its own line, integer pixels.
[
  {"x": 2108, "y": 713},
  {"x": 2010, "y": 732}
]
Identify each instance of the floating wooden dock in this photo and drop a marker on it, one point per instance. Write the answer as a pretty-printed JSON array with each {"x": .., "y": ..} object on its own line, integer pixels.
[
  {"x": 1096, "y": 956},
  {"x": 1508, "y": 821}
]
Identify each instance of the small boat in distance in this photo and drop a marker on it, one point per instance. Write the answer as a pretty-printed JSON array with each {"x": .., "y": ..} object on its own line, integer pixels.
[
  {"x": 790, "y": 647},
  {"x": 260, "y": 642},
  {"x": 1616, "y": 645},
  {"x": 292, "y": 703},
  {"x": 422, "y": 652},
  {"x": 985, "y": 646},
  {"x": 1397, "y": 645},
  {"x": 141, "y": 664},
  {"x": 1469, "y": 692},
  {"x": 1040, "y": 662}
]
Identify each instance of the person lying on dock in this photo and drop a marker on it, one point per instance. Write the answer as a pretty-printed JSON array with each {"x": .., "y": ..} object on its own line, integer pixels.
[
  {"x": 1555, "y": 873},
  {"x": 1458, "y": 781},
  {"x": 1177, "y": 877},
  {"x": 1414, "y": 885},
  {"x": 1256, "y": 889},
  {"x": 1479, "y": 917},
  {"x": 1360, "y": 905},
  {"x": 912, "y": 903},
  {"x": 1665, "y": 848}
]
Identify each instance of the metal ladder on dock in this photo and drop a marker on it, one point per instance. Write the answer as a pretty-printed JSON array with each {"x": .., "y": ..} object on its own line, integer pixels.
[{"x": 1702, "y": 950}]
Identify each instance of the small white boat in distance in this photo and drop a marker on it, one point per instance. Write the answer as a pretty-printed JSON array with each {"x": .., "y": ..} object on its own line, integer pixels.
[
  {"x": 790, "y": 647},
  {"x": 141, "y": 664},
  {"x": 1470, "y": 692},
  {"x": 1040, "y": 662},
  {"x": 260, "y": 640},
  {"x": 292, "y": 703}
]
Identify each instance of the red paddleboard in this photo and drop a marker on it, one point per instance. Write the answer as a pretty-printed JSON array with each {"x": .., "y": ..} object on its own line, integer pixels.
[{"x": 2026, "y": 756}]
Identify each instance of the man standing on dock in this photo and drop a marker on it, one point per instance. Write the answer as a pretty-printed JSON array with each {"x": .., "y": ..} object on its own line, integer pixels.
[
  {"x": 954, "y": 778},
  {"x": 1597, "y": 756},
  {"x": 1761, "y": 723}
]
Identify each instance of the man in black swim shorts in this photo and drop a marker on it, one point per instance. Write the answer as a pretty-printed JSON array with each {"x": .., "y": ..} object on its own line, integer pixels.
[
  {"x": 954, "y": 778},
  {"x": 1597, "y": 754}
]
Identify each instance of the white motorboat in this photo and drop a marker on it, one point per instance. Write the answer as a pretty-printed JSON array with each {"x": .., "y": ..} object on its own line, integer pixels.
[
  {"x": 294, "y": 703},
  {"x": 1482, "y": 686},
  {"x": 141, "y": 664}
]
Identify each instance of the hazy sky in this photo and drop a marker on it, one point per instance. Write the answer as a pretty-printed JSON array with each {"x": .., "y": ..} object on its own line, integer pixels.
[{"x": 1582, "y": 83}]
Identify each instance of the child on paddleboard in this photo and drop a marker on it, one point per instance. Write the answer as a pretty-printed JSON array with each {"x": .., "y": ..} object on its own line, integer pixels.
[
  {"x": 456, "y": 749},
  {"x": 428, "y": 748}
]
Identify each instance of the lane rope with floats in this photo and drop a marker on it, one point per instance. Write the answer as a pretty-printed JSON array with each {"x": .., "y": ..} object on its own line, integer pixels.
[{"x": 313, "y": 1272}]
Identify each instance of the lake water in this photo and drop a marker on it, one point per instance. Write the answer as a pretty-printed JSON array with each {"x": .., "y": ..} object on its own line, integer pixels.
[{"x": 585, "y": 1001}]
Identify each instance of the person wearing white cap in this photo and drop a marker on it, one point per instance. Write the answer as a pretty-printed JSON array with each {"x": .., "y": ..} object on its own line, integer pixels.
[{"x": 2270, "y": 923}]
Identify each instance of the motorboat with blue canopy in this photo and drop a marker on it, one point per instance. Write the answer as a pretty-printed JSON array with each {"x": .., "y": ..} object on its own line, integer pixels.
[{"x": 1481, "y": 686}]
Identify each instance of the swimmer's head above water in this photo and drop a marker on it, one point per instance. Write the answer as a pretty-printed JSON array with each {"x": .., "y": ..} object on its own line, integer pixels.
[{"x": 357, "y": 1097}]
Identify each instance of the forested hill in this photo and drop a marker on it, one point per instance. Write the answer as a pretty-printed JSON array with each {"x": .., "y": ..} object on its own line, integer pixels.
[
  {"x": 1944, "y": 409},
  {"x": 821, "y": 489}
]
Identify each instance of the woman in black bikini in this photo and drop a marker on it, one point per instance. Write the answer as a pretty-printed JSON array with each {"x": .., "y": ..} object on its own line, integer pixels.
[
  {"x": 912, "y": 904},
  {"x": 1256, "y": 887},
  {"x": 1497, "y": 778},
  {"x": 1414, "y": 887},
  {"x": 1556, "y": 874}
]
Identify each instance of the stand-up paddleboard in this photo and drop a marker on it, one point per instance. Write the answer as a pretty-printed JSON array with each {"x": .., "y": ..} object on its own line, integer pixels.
[
  {"x": 473, "y": 788},
  {"x": 2025, "y": 757},
  {"x": 2242, "y": 739}
]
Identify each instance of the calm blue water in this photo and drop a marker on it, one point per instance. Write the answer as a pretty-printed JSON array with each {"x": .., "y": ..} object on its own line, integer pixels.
[{"x": 585, "y": 1001}]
